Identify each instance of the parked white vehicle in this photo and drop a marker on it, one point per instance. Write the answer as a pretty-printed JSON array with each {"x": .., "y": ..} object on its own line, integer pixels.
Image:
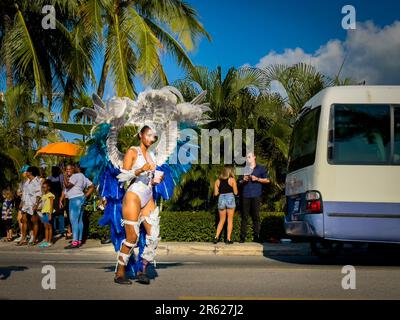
[{"x": 343, "y": 181}]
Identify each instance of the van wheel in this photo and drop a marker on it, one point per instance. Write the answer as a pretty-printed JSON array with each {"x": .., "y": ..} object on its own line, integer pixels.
[{"x": 326, "y": 249}]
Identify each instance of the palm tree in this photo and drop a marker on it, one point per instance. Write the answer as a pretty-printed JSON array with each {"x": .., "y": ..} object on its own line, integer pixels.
[
  {"x": 18, "y": 138},
  {"x": 5, "y": 26},
  {"x": 48, "y": 60},
  {"x": 135, "y": 33},
  {"x": 222, "y": 93},
  {"x": 239, "y": 100},
  {"x": 132, "y": 34},
  {"x": 301, "y": 82}
]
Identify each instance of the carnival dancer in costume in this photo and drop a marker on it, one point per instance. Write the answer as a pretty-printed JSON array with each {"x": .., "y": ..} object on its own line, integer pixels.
[
  {"x": 150, "y": 171},
  {"x": 137, "y": 205}
]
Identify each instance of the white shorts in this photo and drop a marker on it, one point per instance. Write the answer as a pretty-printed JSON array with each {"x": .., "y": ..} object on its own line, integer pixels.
[
  {"x": 143, "y": 191},
  {"x": 27, "y": 209}
]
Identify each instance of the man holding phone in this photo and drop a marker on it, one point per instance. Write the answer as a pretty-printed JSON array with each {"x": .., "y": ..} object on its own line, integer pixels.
[{"x": 251, "y": 182}]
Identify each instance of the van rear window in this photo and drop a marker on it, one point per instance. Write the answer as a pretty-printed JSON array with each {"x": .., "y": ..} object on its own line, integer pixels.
[
  {"x": 303, "y": 143},
  {"x": 361, "y": 135}
]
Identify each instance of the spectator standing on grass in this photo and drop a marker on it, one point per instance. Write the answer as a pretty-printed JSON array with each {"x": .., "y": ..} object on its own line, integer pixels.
[
  {"x": 226, "y": 188},
  {"x": 75, "y": 184},
  {"x": 251, "y": 187}
]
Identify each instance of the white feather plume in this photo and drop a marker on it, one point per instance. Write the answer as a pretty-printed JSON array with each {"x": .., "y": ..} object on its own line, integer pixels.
[{"x": 162, "y": 110}]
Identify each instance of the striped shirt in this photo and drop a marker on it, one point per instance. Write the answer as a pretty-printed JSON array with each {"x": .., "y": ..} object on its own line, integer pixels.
[{"x": 6, "y": 210}]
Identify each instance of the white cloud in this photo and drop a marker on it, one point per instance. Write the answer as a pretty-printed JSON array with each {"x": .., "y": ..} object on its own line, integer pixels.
[{"x": 372, "y": 54}]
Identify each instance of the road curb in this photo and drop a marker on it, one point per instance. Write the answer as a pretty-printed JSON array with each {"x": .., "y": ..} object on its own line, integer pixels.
[
  {"x": 207, "y": 249},
  {"x": 181, "y": 249}
]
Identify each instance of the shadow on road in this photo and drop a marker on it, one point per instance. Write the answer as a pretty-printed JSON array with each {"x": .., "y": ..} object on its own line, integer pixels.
[
  {"x": 152, "y": 273},
  {"x": 5, "y": 272},
  {"x": 361, "y": 255}
]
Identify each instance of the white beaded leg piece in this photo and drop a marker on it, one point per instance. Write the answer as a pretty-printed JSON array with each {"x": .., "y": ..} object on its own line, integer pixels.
[
  {"x": 126, "y": 256},
  {"x": 135, "y": 225},
  {"x": 152, "y": 239}
]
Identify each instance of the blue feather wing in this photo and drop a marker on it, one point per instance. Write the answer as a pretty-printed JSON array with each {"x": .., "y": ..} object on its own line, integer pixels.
[{"x": 174, "y": 168}]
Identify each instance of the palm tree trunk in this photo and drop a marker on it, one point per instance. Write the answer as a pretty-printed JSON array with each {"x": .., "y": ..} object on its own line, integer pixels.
[
  {"x": 103, "y": 79},
  {"x": 9, "y": 73}
]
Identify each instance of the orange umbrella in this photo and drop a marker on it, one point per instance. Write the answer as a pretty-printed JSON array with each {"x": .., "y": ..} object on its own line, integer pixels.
[{"x": 65, "y": 149}]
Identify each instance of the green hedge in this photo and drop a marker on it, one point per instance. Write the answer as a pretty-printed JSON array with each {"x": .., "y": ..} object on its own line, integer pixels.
[{"x": 199, "y": 226}]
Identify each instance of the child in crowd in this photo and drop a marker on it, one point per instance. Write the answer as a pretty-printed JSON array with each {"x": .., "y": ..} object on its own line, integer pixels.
[
  {"x": 46, "y": 214},
  {"x": 6, "y": 215}
]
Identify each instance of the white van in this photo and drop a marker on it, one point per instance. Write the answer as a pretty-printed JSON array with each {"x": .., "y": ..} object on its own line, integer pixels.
[{"x": 343, "y": 181}]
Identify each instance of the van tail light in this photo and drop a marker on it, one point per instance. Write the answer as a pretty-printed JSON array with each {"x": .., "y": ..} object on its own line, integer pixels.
[{"x": 313, "y": 202}]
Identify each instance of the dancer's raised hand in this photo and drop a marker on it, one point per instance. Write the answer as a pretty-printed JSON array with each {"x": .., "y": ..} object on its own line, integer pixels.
[{"x": 146, "y": 167}]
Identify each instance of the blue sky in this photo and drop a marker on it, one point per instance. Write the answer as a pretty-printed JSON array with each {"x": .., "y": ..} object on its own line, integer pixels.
[
  {"x": 261, "y": 32},
  {"x": 245, "y": 31}
]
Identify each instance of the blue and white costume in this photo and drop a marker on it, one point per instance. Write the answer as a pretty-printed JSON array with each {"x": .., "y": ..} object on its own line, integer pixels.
[
  {"x": 166, "y": 113},
  {"x": 142, "y": 184}
]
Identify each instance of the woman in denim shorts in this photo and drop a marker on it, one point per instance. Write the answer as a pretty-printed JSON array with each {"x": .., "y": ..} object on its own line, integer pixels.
[{"x": 226, "y": 189}]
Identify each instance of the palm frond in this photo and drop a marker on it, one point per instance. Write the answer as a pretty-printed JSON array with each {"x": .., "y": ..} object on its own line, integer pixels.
[
  {"x": 118, "y": 51},
  {"x": 147, "y": 44},
  {"x": 172, "y": 46},
  {"x": 24, "y": 53},
  {"x": 179, "y": 16}
]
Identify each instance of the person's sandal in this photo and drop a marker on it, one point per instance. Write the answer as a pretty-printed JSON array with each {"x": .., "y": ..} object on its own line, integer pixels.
[
  {"x": 22, "y": 243},
  {"x": 73, "y": 245},
  {"x": 122, "y": 280},
  {"x": 143, "y": 278},
  {"x": 70, "y": 246}
]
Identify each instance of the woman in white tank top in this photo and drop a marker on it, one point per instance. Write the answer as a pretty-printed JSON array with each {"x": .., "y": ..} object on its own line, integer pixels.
[{"x": 138, "y": 203}]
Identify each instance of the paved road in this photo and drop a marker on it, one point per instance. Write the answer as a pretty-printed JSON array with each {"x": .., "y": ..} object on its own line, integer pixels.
[{"x": 83, "y": 275}]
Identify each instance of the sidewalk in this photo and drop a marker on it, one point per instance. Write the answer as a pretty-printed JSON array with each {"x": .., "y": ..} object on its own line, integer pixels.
[{"x": 180, "y": 248}]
